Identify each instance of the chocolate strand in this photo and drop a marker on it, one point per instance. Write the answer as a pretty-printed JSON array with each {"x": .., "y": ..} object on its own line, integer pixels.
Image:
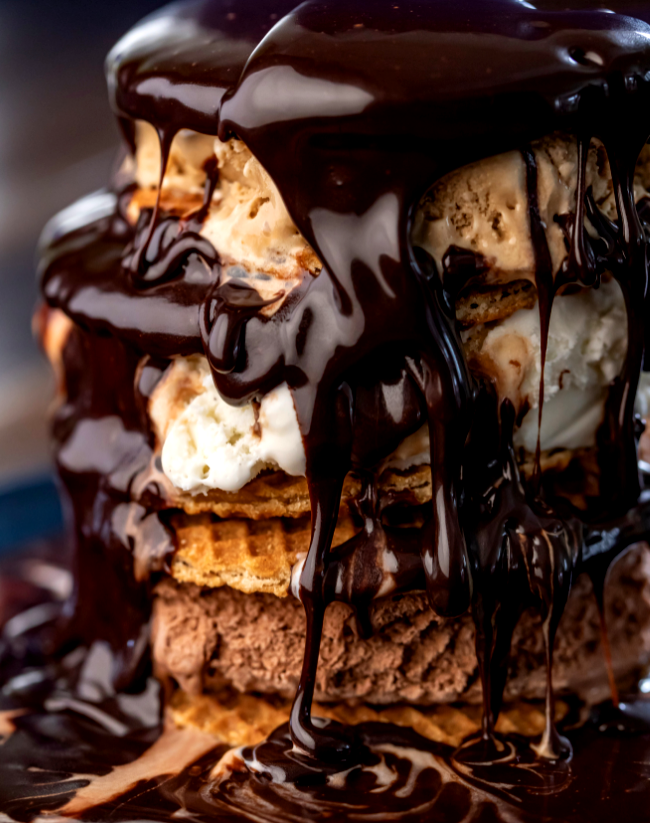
[
  {"x": 139, "y": 263},
  {"x": 544, "y": 283},
  {"x": 580, "y": 265},
  {"x": 328, "y": 747},
  {"x": 598, "y": 579}
]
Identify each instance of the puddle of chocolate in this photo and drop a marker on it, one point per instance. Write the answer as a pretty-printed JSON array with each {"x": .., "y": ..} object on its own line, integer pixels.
[{"x": 73, "y": 748}]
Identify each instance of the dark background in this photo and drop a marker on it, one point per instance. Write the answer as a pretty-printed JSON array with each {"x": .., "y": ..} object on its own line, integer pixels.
[{"x": 57, "y": 142}]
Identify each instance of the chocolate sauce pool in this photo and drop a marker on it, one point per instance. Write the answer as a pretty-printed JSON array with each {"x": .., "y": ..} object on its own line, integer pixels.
[{"x": 355, "y": 110}]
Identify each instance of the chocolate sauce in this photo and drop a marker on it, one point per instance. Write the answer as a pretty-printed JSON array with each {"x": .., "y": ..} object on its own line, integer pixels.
[
  {"x": 355, "y": 110},
  {"x": 57, "y": 755},
  {"x": 544, "y": 282},
  {"x": 160, "y": 247},
  {"x": 524, "y": 555}
]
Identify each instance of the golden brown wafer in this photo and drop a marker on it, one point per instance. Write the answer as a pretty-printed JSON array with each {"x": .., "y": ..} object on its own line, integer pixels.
[
  {"x": 244, "y": 719},
  {"x": 276, "y": 494},
  {"x": 488, "y": 304},
  {"x": 248, "y": 555}
]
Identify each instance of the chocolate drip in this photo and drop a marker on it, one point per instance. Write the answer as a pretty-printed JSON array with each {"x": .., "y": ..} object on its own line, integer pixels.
[
  {"x": 524, "y": 555},
  {"x": 580, "y": 266},
  {"x": 178, "y": 79},
  {"x": 544, "y": 282},
  {"x": 380, "y": 561},
  {"x": 355, "y": 112},
  {"x": 223, "y": 322},
  {"x": 104, "y": 447},
  {"x": 82, "y": 274},
  {"x": 598, "y": 578},
  {"x": 161, "y": 248},
  {"x": 619, "y": 469}
]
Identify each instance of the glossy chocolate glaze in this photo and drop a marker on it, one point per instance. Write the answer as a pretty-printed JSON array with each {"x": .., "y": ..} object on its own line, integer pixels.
[{"x": 355, "y": 111}]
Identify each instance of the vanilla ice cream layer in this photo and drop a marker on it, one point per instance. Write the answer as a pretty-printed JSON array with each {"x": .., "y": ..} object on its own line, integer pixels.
[
  {"x": 586, "y": 346},
  {"x": 587, "y": 341},
  {"x": 209, "y": 444}
]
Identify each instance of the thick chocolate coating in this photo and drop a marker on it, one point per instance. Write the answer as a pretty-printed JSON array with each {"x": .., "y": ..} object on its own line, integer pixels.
[{"x": 355, "y": 110}]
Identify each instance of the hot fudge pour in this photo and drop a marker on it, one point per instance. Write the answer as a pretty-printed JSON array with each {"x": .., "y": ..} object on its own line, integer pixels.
[{"x": 357, "y": 333}]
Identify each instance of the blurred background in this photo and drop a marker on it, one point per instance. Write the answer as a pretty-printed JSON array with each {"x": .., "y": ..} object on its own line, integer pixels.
[{"x": 57, "y": 142}]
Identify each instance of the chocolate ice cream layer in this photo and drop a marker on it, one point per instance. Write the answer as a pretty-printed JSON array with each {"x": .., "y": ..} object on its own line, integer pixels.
[{"x": 207, "y": 638}]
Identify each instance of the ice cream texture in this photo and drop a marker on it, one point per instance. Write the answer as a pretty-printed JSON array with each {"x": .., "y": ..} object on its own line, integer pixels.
[{"x": 482, "y": 208}]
